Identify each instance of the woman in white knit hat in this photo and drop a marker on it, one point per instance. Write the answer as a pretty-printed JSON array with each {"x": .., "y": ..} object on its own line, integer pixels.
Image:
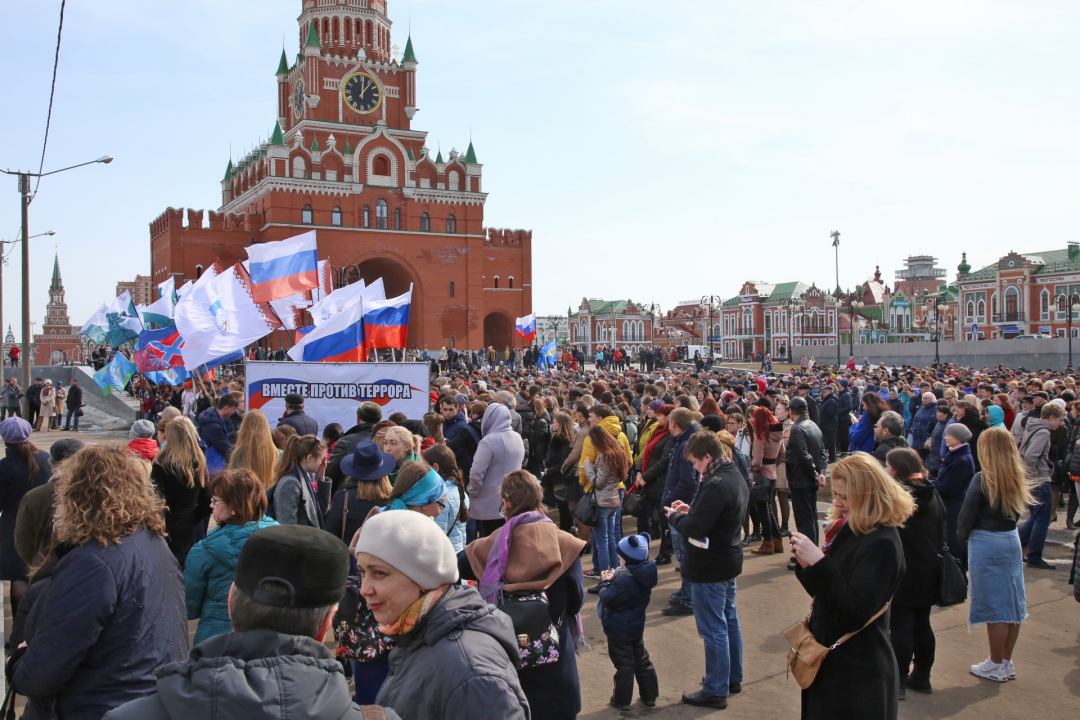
[{"x": 455, "y": 656}]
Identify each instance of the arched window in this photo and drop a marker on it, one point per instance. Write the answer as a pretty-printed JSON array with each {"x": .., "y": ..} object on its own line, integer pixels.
[
  {"x": 425, "y": 223},
  {"x": 325, "y": 31},
  {"x": 1044, "y": 305},
  {"x": 348, "y": 30},
  {"x": 970, "y": 310},
  {"x": 982, "y": 308},
  {"x": 306, "y": 215},
  {"x": 397, "y": 218},
  {"x": 625, "y": 330},
  {"x": 453, "y": 180},
  {"x": 451, "y": 288},
  {"x": 453, "y": 340},
  {"x": 367, "y": 216},
  {"x": 335, "y": 216},
  {"x": 198, "y": 271},
  {"x": 337, "y": 30},
  {"x": 451, "y": 224},
  {"x": 381, "y": 212},
  {"x": 510, "y": 283},
  {"x": 381, "y": 165},
  {"x": 496, "y": 281},
  {"x": 299, "y": 168}
]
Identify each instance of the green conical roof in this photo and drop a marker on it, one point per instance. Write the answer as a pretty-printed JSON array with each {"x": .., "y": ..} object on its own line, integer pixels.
[
  {"x": 411, "y": 156},
  {"x": 439, "y": 158},
  {"x": 315, "y": 145},
  {"x": 409, "y": 55},
  {"x": 312, "y": 37},
  {"x": 963, "y": 267},
  {"x": 56, "y": 282},
  {"x": 470, "y": 155},
  {"x": 283, "y": 66},
  {"x": 348, "y": 149},
  {"x": 277, "y": 138},
  {"x": 228, "y": 171}
]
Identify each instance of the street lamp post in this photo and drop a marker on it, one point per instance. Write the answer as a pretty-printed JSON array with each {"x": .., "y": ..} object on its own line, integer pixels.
[
  {"x": 2, "y": 261},
  {"x": 930, "y": 304},
  {"x": 1073, "y": 306},
  {"x": 24, "y": 191},
  {"x": 791, "y": 304},
  {"x": 653, "y": 309},
  {"x": 854, "y": 304},
  {"x": 710, "y": 300},
  {"x": 836, "y": 245}
]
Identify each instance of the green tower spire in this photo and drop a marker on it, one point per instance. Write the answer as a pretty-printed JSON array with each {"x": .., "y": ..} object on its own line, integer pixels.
[
  {"x": 56, "y": 282},
  {"x": 277, "y": 138},
  {"x": 470, "y": 155},
  {"x": 312, "y": 37},
  {"x": 283, "y": 66},
  {"x": 409, "y": 55},
  {"x": 315, "y": 145},
  {"x": 439, "y": 158},
  {"x": 348, "y": 150},
  {"x": 228, "y": 171}
]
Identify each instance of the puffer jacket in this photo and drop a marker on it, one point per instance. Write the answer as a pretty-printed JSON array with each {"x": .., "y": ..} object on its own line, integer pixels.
[
  {"x": 300, "y": 421},
  {"x": 208, "y": 576},
  {"x": 604, "y": 479},
  {"x": 922, "y": 425},
  {"x": 500, "y": 452},
  {"x": 886, "y": 446},
  {"x": 257, "y": 675},
  {"x": 215, "y": 431},
  {"x": 459, "y": 663},
  {"x": 112, "y": 615},
  {"x": 539, "y": 438},
  {"x": 588, "y": 452},
  {"x": 624, "y": 600}
]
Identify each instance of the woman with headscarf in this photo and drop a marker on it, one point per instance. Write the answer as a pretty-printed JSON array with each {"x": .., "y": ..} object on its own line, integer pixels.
[
  {"x": 48, "y": 406},
  {"x": 530, "y": 554}
]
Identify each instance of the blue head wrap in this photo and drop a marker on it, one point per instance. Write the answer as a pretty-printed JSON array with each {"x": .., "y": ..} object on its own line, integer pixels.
[{"x": 427, "y": 490}]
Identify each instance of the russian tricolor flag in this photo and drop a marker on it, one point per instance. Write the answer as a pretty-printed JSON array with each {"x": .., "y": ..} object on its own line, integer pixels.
[
  {"x": 283, "y": 268},
  {"x": 526, "y": 327},
  {"x": 339, "y": 339},
  {"x": 386, "y": 322}
]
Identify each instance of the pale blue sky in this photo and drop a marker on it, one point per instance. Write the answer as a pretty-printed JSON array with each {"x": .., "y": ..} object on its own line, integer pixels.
[{"x": 658, "y": 151}]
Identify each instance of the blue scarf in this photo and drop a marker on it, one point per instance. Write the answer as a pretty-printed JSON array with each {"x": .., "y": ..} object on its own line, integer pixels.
[{"x": 427, "y": 490}]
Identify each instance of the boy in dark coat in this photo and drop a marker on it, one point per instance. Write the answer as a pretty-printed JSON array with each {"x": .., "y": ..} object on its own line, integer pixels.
[{"x": 624, "y": 597}]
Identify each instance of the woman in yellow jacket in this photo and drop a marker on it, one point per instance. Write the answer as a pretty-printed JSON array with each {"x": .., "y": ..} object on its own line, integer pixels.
[{"x": 605, "y": 417}]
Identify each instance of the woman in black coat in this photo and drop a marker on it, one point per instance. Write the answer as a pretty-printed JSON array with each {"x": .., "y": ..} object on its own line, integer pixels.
[
  {"x": 554, "y": 479},
  {"x": 852, "y": 579},
  {"x": 23, "y": 468},
  {"x": 654, "y": 463},
  {"x": 179, "y": 475},
  {"x": 922, "y": 537}
]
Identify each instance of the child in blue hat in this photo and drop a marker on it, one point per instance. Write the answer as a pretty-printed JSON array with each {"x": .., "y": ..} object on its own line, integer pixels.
[{"x": 624, "y": 597}]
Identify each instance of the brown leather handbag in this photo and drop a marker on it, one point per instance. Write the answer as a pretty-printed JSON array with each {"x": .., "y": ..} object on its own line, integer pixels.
[{"x": 806, "y": 654}]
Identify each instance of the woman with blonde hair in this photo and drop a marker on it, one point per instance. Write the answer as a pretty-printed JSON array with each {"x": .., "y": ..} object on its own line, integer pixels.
[
  {"x": 179, "y": 474},
  {"x": 995, "y": 498},
  {"x": 255, "y": 449},
  {"x": 115, "y": 607},
  {"x": 852, "y": 580},
  {"x": 403, "y": 445}
]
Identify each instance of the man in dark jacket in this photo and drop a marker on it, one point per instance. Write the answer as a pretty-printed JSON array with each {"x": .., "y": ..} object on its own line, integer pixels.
[
  {"x": 453, "y": 415},
  {"x": 73, "y": 403},
  {"x": 214, "y": 428},
  {"x": 889, "y": 433},
  {"x": 296, "y": 418},
  {"x": 806, "y": 464},
  {"x": 33, "y": 400},
  {"x": 843, "y": 416},
  {"x": 367, "y": 415},
  {"x": 712, "y": 526},
  {"x": 680, "y": 484},
  {"x": 811, "y": 403},
  {"x": 288, "y": 577},
  {"x": 827, "y": 416}
]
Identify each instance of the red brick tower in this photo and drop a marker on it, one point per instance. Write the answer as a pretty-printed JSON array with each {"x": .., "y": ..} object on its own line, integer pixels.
[
  {"x": 343, "y": 159},
  {"x": 58, "y": 341}
]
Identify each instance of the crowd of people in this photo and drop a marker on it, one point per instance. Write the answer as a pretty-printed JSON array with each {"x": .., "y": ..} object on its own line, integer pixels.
[{"x": 448, "y": 558}]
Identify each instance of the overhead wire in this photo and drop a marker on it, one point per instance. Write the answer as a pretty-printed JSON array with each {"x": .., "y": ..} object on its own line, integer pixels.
[{"x": 52, "y": 94}]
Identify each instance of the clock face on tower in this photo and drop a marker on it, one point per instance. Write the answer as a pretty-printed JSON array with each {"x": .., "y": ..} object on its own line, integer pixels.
[
  {"x": 361, "y": 93},
  {"x": 298, "y": 100}
]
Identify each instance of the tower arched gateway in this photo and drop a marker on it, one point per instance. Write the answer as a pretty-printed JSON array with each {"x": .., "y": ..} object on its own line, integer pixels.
[
  {"x": 499, "y": 331},
  {"x": 397, "y": 279},
  {"x": 343, "y": 160}
]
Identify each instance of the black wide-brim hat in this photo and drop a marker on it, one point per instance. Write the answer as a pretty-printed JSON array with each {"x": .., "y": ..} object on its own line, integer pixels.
[{"x": 368, "y": 463}]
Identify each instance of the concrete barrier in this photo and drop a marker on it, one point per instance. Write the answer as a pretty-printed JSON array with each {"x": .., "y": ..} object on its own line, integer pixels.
[{"x": 92, "y": 395}]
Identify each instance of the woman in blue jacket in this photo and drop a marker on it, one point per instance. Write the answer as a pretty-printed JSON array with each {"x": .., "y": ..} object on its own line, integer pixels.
[
  {"x": 238, "y": 503},
  {"x": 862, "y": 433}
]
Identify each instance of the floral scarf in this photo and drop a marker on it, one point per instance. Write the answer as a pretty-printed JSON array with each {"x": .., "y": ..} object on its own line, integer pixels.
[
  {"x": 831, "y": 531},
  {"x": 414, "y": 613}
]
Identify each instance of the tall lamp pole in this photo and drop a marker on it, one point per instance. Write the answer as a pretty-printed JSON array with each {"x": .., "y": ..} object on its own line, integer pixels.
[
  {"x": 930, "y": 304},
  {"x": 853, "y": 304},
  {"x": 836, "y": 246},
  {"x": 710, "y": 300},
  {"x": 24, "y": 191},
  {"x": 653, "y": 309}
]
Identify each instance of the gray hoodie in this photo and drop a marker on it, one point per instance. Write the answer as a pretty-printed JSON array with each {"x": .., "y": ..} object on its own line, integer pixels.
[
  {"x": 1035, "y": 449},
  {"x": 459, "y": 663},
  {"x": 500, "y": 452},
  {"x": 254, "y": 675}
]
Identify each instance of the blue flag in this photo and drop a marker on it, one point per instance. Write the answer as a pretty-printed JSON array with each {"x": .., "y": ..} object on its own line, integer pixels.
[
  {"x": 115, "y": 375},
  {"x": 547, "y": 355}
]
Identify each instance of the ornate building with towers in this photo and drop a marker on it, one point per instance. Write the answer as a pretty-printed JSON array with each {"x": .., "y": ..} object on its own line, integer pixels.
[
  {"x": 343, "y": 159},
  {"x": 58, "y": 342}
]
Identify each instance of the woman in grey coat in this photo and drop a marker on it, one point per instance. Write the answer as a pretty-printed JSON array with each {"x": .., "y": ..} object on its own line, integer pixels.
[
  {"x": 501, "y": 451},
  {"x": 293, "y": 500}
]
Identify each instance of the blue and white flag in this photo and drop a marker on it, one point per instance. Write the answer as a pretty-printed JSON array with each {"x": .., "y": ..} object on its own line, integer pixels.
[
  {"x": 115, "y": 375},
  {"x": 547, "y": 355}
]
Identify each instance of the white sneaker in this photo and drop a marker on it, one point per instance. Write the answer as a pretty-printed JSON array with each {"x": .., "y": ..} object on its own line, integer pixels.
[
  {"x": 990, "y": 670},
  {"x": 1010, "y": 669}
]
